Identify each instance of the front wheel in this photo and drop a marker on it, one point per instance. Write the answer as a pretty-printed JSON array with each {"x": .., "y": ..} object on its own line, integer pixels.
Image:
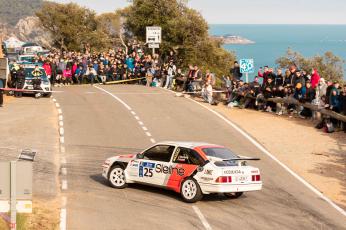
[
  {"x": 116, "y": 177},
  {"x": 233, "y": 195},
  {"x": 190, "y": 191}
]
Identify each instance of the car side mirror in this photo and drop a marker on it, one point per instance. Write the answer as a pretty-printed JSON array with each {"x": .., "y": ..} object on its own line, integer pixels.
[{"x": 139, "y": 156}]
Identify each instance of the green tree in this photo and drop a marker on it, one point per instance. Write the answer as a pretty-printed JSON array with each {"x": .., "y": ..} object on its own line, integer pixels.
[
  {"x": 109, "y": 25},
  {"x": 71, "y": 26},
  {"x": 183, "y": 30},
  {"x": 329, "y": 66}
]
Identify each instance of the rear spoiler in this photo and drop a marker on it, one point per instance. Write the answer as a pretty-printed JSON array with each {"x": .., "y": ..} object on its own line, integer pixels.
[{"x": 243, "y": 159}]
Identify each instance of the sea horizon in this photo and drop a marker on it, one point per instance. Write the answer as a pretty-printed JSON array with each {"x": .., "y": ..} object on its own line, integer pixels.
[{"x": 273, "y": 40}]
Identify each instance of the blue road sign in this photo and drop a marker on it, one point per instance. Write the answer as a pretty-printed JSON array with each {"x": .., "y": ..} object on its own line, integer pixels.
[{"x": 247, "y": 66}]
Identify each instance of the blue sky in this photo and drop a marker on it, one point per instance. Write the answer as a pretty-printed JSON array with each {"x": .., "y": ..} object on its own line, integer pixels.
[{"x": 251, "y": 11}]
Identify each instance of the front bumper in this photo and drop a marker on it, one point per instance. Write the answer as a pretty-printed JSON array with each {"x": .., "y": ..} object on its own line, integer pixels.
[
  {"x": 105, "y": 169},
  {"x": 44, "y": 88},
  {"x": 226, "y": 188}
]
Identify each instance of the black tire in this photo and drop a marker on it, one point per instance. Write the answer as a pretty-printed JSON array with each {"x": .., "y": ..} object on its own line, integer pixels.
[
  {"x": 233, "y": 195},
  {"x": 190, "y": 190},
  {"x": 48, "y": 95},
  {"x": 116, "y": 180}
]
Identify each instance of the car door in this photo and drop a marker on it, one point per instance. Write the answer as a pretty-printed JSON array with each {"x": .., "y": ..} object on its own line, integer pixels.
[
  {"x": 154, "y": 165},
  {"x": 185, "y": 162}
]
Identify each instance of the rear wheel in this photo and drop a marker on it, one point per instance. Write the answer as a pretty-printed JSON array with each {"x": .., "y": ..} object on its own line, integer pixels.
[
  {"x": 233, "y": 195},
  {"x": 190, "y": 191},
  {"x": 116, "y": 177}
]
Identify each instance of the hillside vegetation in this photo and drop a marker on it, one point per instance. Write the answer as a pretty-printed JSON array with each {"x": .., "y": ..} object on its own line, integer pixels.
[{"x": 11, "y": 11}]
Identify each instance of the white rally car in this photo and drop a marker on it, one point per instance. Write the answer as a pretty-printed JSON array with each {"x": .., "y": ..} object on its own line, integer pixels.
[{"x": 189, "y": 168}]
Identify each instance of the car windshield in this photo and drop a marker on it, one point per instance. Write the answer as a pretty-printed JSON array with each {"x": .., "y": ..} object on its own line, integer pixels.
[
  {"x": 28, "y": 74},
  {"x": 221, "y": 153},
  {"x": 27, "y": 59}
]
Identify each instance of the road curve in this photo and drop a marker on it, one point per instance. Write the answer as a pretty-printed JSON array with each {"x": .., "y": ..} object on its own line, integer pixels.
[{"x": 99, "y": 125}]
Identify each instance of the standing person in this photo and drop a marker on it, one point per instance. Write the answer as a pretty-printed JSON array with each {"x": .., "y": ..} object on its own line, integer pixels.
[
  {"x": 48, "y": 69},
  {"x": 54, "y": 67},
  {"x": 279, "y": 78},
  {"x": 315, "y": 78},
  {"x": 342, "y": 100},
  {"x": 264, "y": 75},
  {"x": 20, "y": 79},
  {"x": 189, "y": 79},
  {"x": 308, "y": 97},
  {"x": 197, "y": 78},
  {"x": 171, "y": 70},
  {"x": 268, "y": 92},
  {"x": 2, "y": 85},
  {"x": 334, "y": 97},
  {"x": 235, "y": 71}
]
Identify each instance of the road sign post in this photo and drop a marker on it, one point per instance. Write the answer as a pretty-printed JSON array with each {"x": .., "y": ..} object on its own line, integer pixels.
[
  {"x": 153, "y": 37},
  {"x": 15, "y": 189},
  {"x": 247, "y": 66},
  {"x": 13, "y": 196}
]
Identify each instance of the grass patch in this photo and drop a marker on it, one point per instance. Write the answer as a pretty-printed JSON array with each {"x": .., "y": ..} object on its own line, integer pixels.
[{"x": 21, "y": 222}]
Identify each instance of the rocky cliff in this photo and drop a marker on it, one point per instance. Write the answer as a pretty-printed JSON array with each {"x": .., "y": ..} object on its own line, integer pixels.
[{"x": 27, "y": 30}]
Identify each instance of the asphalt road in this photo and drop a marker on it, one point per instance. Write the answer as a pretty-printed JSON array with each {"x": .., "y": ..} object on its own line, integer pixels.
[{"x": 97, "y": 125}]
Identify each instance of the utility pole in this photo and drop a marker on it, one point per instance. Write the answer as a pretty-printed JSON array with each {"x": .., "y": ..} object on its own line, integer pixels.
[{"x": 1, "y": 40}]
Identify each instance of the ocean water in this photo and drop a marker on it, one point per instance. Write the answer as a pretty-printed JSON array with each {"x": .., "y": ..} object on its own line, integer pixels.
[{"x": 272, "y": 41}]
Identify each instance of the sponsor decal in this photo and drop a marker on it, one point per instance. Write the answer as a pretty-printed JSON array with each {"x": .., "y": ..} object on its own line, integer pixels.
[
  {"x": 207, "y": 178},
  {"x": 208, "y": 172},
  {"x": 236, "y": 171},
  {"x": 146, "y": 169},
  {"x": 160, "y": 168}
]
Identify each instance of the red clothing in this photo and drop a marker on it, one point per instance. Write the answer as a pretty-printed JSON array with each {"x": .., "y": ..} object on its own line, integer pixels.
[
  {"x": 315, "y": 78},
  {"x": 67, "y": 73},
  {"x": 47, "y": 68},
  {"x": 74, "y": 68}
]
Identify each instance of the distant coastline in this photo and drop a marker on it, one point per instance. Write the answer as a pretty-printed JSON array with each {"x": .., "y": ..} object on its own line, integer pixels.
[{"x": 233, "y": 39}]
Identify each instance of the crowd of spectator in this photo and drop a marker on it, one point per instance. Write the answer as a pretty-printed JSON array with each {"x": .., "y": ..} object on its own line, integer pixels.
[
  {"x": 134, "y": 66},
  {"x": 301, "y": 85}
]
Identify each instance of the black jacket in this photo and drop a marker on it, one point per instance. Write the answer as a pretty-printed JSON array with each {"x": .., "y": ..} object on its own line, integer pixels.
[
  {"x": 235, "y": 72},
  {"x": 343, "y": 103}
]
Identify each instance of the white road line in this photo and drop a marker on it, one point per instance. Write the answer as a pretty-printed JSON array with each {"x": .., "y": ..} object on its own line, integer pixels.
[
  {"x": 61, "y": 123},
  {"x": 137, "y": 118},
  {"x": 61, "y": 131},
  {"x": 63, "y": 222},
  {"x": 145, "y": 128},
  {"x": 201, "y": 217},
  {"x": 64, "y": 171},
  {"x": 266, "y": 152},
  {"x": 64, "y": 184},
  {"x": 148, "y": 134},
  {"x": 61, "y": 118},
  {"x": 140, "y": 123},
  {"x": 63, "y": 161},
  {"x": 62, "y": 149},
  {"x": 152, "y": 140},
  {"x": 59, "y": 111},
  {"x": 62, "y": 140},
  {"x": 54, "y": 99},
  {"x": 63, "y": 201},
  {"x": 115, "y": 97},
  {"x": 57, "y": 105},
  {"x": 133, "y": 113}
]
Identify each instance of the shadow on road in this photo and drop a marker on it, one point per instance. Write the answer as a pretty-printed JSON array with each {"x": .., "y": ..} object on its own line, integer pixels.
[{"x": 161, "y": 191}]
